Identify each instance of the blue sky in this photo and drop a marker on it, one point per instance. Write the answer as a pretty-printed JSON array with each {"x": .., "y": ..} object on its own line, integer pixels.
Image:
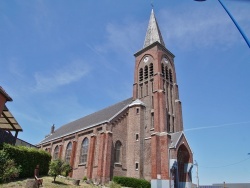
[{"x": 61, "y": 60}]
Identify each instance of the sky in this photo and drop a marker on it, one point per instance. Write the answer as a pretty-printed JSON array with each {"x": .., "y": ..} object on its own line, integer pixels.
[{"x": 61, "y": 60}]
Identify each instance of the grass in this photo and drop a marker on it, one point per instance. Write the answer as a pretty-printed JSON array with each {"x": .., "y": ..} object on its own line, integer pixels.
[{"x": 47, "y": 183}]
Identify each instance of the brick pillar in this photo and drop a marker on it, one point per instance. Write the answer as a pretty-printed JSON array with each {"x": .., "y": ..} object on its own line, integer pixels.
[
  {"x": 91, "y": 156},
  {"x": 155, "y": 156},
  {"x": 164, "y": 156},
  {"x": 107, "y": 158},
  {"x": 101, "y": 156},
  {"x": 72, "y": 156},
  {"x": 159, "y": 156}
]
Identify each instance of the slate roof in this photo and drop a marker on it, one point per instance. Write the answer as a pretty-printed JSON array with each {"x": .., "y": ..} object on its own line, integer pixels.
[
  {"x": 175, "y": 137},
  {"x": 153, "y": 32},
  {"x": 97, "y": 118}
]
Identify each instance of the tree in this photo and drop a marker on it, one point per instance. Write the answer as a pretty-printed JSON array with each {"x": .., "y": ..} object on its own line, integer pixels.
[
  {"x": 59, "y": 167},
  {"x": 8, "y": 169}
]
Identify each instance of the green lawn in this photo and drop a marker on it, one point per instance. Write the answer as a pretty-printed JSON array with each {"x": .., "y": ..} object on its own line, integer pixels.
[{"x": 47, "y": 183}]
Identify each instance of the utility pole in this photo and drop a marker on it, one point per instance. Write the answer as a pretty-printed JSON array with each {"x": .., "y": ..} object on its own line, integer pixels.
[{"x": 197, "y": 174}]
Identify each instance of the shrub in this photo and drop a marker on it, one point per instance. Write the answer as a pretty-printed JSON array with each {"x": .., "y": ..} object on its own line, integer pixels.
[
  {"x": 131, "y": 182},
  {"x": 84, "y": 178},
  {"x": 28, "y": 158},
  {"x": 8, "y": 169},
  {"x": 59, "y": 167}
]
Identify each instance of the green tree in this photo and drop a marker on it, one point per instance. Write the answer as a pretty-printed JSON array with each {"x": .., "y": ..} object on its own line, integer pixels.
[
  {"x": 59, "y": 167},
  {"x": 8, "y": 169}
]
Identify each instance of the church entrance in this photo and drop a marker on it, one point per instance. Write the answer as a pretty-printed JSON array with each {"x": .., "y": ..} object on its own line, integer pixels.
[{"x": 183, "y": 158}]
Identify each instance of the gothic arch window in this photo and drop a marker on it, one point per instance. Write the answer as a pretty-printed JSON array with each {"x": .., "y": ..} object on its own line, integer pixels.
[
  {"x": 151, "y": 69},
  {"x": 146, "y": 72},
  {"x": 170, "y": 76},
  {"x": 163, "y": 70},
  {"x": 56, "y": 153},
  {"x": 84, "y": 150},
  {"x": 68, "y": 152},
  {"x": 166, "y": 75},
  {"x": 140, "y": 74},
  {"x": 118, "y": 147}
]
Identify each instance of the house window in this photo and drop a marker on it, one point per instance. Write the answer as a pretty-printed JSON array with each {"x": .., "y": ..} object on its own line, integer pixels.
[
  {"x": 136, "y": 136},
  {"x": 118, "y": 146},
  {"x": 163, "y": 70},
  {"x": 84, "y": 150},
  {"x": 137, "y": 110},
  {"x": 152, "y": 101},
  {"x": 140, "y": 74},
  {"x": 151, "y": 70},
  {"x": 146, "y": 89},
  {"x": 170, "y": 76},
  {"x": 68, "y": 152},
  {"x": 136, "y": 166},
  {"x": 56, "y": 153},
  {"x": 146, "y": 72},
  {"x": 152, "y": 120},
  {"x": 167, "y": 77},
  {"x": 141, "y": 91}
]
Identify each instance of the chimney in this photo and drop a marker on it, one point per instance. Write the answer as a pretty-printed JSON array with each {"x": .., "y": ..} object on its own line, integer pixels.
[{"x": 52, "y": 129}]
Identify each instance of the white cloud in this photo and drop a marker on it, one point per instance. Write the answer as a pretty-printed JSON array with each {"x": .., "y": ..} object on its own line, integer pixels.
[
  {"x": 201, "y": 27},
  {"x": 123, "y": 38},
  {"x": 65, "y": 75}
]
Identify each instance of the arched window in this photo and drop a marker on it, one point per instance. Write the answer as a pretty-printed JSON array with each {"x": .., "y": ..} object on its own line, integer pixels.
[
  {"x": 140, "y": 74},
  {"x": 151, "y": 70},
  {"x": 68, "y": 152},
  {"x": 170, "y": 76},
  {"x": 56, "y": 153},
  {"x": 146, "y": 72},
  {"x": 167, "y": 75},
  {"x": 163, "y": 70},
  {"x": 118, "y": 146},
  {"x": 84, "y": 150}
]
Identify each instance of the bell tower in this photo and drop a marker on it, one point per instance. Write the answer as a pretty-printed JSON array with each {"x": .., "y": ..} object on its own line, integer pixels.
[
  {"x": 155, "y": 81},
  {"x": 155, "y": 85}
]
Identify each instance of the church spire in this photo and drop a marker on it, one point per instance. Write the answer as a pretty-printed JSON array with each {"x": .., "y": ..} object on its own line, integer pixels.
[{"x": 153, "y": 32}]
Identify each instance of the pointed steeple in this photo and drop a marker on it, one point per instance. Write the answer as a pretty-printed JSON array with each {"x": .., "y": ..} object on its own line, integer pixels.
[{"x": 153, "y": 32}]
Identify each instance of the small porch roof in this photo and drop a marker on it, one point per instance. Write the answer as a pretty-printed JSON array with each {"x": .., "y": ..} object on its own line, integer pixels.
[{"x": 8, "y": 122}]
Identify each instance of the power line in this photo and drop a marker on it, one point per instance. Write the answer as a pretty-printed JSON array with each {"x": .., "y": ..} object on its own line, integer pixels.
[{"x": 226, "y": 165}]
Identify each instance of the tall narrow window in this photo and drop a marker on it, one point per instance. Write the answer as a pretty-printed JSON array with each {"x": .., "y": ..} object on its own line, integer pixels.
[
  {"x": 170, "y": 76},
  {"x": 146, "y": 89},
  {"x": 151, "y": 70},
  {"x": 166, "y": 75},
  {"x": 152, "y": 86},
  {"x": 84, "y": 150},
  {"x": 141, "y": 91},
  {"x": 118, "y": 146},
  {"x": 68, "y": 152},
  {"x": 56, "y": 153},
  {"x": 140, "y": 74},
  {"x": 152, "y": 120},
  {"x": 162, "y": 70},
  {"x": 146, "y": 72},
  {"x": 136, "y": 166},
  {"x": 152, "y": 101}
]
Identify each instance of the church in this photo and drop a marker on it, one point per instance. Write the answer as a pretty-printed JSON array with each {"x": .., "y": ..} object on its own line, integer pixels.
[{"x": 140, "y": 137}]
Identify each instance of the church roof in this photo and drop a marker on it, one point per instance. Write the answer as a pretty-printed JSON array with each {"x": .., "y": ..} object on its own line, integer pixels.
[
  {"x": 175, "y": 137},
  {"x": 103, "y": 116},
  {"x": 153, "y": 32}
]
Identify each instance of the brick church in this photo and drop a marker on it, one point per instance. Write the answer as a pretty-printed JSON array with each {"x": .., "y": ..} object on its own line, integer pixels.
[{"x": 139, "y": 137}]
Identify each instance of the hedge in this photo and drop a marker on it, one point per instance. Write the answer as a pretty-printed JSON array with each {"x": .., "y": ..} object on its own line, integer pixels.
[
  {"x": 131, "y": 182},
  {"x": 28, "y": 158}
]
